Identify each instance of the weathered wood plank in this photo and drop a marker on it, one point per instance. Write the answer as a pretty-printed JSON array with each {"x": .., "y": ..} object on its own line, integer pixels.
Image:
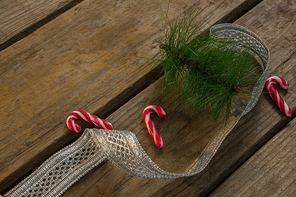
[
  {"x": 270, "y": 172},
  {"x": 19, "y": 18},
  {"x": 269, "y": 20},
  {"x": 88, "y": 59}
]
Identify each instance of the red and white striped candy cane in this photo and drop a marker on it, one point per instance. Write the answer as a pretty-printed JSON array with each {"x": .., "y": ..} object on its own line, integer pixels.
[
  {"x": 275, "y": 95},
  {"x": 149, "y": 124},
  {"x": 82, "y": 115}
]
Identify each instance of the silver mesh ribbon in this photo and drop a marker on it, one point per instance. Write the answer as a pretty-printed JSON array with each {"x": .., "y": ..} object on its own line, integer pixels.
[{"x": 122, "y": 148}]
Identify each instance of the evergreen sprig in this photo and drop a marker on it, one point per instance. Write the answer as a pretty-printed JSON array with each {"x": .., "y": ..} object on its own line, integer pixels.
[{"x": 202, "y": 71}]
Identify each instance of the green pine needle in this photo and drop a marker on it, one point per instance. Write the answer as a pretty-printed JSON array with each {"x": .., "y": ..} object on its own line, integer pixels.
[{"x": 202, "y": 71}]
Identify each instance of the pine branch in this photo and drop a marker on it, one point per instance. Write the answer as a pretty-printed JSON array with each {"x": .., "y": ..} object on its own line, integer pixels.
[{"x": 202, "y": 71}]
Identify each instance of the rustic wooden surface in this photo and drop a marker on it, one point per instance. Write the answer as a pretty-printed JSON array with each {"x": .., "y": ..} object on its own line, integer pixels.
[
  {"x": 269, "y": 172},
  {"x": 179, "y": 132},
  {"x": 274, "y": 21},
  {"x": 21, "y": 17},
  {"x": 88, "y": 58}
]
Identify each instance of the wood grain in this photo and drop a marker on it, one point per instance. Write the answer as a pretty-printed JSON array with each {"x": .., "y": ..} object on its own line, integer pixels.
[
  {"x": 270, "y": 172},
  {"x": 19, "y": 18},
  {"x": 89, "y": 58},
  {"x": 182, "y": 137}
]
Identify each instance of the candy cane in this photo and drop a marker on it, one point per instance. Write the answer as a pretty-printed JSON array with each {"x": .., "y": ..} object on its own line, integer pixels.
[
  {"x": 149, "y": 124},
  {"x": 275, "y": 95},
  {"x": 82, "y": 115}
]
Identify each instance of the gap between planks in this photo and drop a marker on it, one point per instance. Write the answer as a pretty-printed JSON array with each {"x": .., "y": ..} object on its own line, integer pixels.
[
  {"x": 279, "y": 127},
  {"x": 25, "y": 26},
  {"x": 269, "y": 172}
]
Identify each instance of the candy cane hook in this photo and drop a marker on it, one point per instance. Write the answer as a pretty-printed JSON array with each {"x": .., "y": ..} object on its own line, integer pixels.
[
  {"x": 82, "y": 115},
  {"x": 149, "y": 124},
  {"x": 275, "y": 95}
]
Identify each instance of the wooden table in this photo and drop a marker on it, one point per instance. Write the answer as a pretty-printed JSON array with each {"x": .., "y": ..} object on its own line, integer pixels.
[{"x": 59, "y": 56}]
